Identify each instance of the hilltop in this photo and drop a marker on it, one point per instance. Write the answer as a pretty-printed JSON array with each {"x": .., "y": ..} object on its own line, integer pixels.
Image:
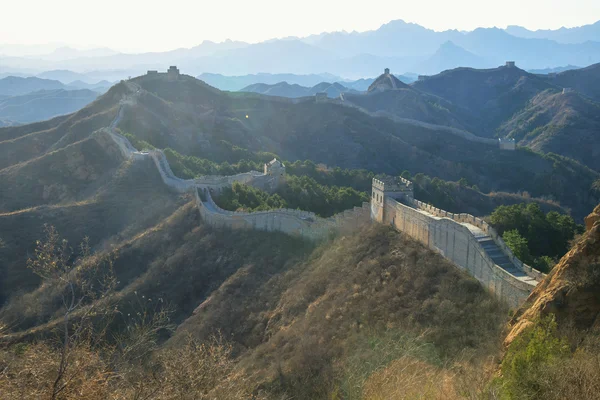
[{"x": 386, "y": 81}]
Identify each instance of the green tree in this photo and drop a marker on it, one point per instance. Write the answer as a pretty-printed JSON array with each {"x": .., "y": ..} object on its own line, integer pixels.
[
  {"x": 518, "y": 245},
  {"x": 529, "y": 356}
]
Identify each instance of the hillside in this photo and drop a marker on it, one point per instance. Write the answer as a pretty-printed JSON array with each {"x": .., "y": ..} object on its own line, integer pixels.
[
  {"x": 277, "y": 308},
  {"x": 413, "y": 104},
  {"x": 560, "y": 123},
  {"x": 44, "y": 104},
  {"x": 583, "y": 80},
  {"x": 490, "y": 95}
]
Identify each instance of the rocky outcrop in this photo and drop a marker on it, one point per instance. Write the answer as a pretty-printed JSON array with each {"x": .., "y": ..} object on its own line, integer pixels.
[
  {"x": 572, "y": 291},
  {"x": 592, "y": 219}
]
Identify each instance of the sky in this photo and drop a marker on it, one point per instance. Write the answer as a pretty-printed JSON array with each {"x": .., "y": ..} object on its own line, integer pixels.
[{"x": 151, "y": 25}]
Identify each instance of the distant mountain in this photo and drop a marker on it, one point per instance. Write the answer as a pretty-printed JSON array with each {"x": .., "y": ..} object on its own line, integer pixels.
[
  {"x": 362, "y": 85},
  {"x": 333, "y": 90},
  {"x": 397, "y": 45},
  {"x": 578, "y": 34},
  {"x": 44, "y": 104},
  {"x": 235, "y": 83},
  {"x": 555, "y": 70},
  {"x": 68, "y": 53},
  {"x": 450, "y": 56},
  {"x": 281, "y": 89},
  {"x": 100, "y": 87},
  {"x": 284, "y": 89},
  {"x": 64, "y": 76},
  {"x": 15, "y": 86}
]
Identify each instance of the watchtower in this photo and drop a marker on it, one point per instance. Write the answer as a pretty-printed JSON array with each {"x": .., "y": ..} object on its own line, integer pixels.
[
  {"x": 173, "y": 73},
  {"x": 510, "y": 64},
  {"x": 321, "y": 97},
  {"x": 507, "y": 144},
  {"x": 399, "y": 189},
  {"x": 386, "y": 71}
]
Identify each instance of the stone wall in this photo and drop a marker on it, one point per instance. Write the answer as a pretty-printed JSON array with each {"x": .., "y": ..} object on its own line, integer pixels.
[
  {"x": 456, "y": 243},
  {"x": 292, "y": 222},
  {"x": 485, "y": 227}
]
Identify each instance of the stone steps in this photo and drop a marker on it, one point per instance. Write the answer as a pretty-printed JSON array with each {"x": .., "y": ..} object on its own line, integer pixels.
[{"x": 501, "y": 259}]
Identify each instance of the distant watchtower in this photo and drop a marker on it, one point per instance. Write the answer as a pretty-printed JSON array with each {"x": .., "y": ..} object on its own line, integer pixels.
[
  {"x": 507, "y": 144},
  {"x": 510, "y": 64},
  {"x": 321, "y": 97},
  {"x": 173, "y": 73},
  {"x": 386, "y": 71},
  {"x": 276, "y": 170}
]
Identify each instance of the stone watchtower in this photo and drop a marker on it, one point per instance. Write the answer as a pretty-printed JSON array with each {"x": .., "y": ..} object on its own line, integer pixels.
[
  {"x": 398, "y": 189},
  {"x": 173, "y": 73},
  {"x": 510, "y": 64},
  {"x": 276, "y": 170},
  {"x": 507, "y": 144},
  {"x": 386, "y": 71}
]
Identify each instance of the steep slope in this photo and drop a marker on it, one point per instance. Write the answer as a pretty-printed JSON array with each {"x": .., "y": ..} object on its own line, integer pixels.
[
  {"x": 44, "y": 104},
  {"x": 583, "y": 80},
  {"x": 572, "y": 291},
  {"x": 564, "y": 123},
  {"x": 491, "y": 95},
  {"x": 20, "y": 144},
  {"x": 123, "y": 201}
]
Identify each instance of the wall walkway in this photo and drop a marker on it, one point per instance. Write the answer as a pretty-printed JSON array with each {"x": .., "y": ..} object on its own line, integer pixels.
[{"x": 461, "y": 239}]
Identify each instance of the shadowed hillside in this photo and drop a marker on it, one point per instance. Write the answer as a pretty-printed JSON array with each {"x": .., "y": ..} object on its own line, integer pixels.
[
  {"x": 492, "y": 95},
  {"x": 567, "y": 124}
]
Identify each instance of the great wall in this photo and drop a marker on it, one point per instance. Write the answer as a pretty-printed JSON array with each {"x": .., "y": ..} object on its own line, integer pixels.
[{"x": 467, "y": 241}]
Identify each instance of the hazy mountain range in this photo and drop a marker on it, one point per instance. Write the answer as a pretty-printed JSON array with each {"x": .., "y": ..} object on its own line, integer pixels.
[
  {"x": 349, "y": 55},
  {"x": 31, "y": 99}
]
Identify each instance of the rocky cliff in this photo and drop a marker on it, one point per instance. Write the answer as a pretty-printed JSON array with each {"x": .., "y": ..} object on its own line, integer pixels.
[{"x": 572, "y": 291}]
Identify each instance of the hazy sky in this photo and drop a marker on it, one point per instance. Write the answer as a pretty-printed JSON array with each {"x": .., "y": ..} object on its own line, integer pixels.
[{"x": 137, "y": 25}]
